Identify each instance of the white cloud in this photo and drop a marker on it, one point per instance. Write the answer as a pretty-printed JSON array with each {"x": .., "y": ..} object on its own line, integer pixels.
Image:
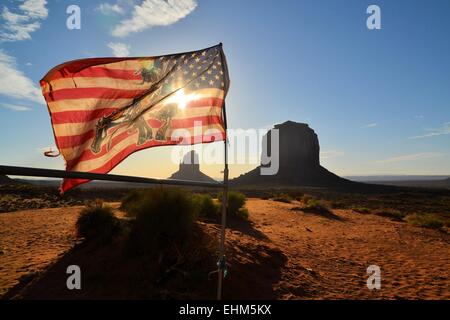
[
  {"x": 419, "y": 116},
  {"x": 14, "y": 107},
  {"x": 110, "y": 9},
  {"x": 152, "y": 13},
  {"x": 18, "y": 26},
  {"x": 371, "y": 125},
  {"x": 411, "y": 157},
  {"x": 35, "y": 9},
  {"x": 331, "y": 154},
  {"x": 28, "y": 64},
  {"x": 119, "y": 49},
  {"x": 442, "y": 130},
  {"x": 14, "y": 83}
]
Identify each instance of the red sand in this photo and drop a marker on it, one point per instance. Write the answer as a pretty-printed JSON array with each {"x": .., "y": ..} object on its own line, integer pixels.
[{"x": 320, "y": 257}]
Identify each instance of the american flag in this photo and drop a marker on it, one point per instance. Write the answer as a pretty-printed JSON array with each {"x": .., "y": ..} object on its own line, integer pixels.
[{"x": 104, "y": 109}]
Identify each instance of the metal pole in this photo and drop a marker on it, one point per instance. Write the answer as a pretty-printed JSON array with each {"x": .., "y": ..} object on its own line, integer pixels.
[
  {"x": 222, "y": 261},
  {"x": 51, "y": 173}
]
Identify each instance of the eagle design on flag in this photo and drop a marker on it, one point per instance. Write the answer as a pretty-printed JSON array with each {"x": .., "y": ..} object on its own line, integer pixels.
[{"x": 104, "y": 109}]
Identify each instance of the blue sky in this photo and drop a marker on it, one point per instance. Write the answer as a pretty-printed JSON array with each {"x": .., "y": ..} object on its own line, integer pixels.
[{"x": 379, "y": 100}]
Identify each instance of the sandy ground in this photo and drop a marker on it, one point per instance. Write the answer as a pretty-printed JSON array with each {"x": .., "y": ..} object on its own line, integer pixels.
[
  {"x": 336, "y": 251},
  {"x": 319, "y": 257}
]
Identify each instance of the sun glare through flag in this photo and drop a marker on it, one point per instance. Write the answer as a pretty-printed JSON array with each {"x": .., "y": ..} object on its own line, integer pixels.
[{"x": 104, "y": 109}]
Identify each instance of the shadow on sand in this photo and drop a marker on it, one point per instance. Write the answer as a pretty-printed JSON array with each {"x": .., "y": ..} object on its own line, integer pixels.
[
  {"x": 321, "y": 212},
  {"x": 246, "y": 227},
  {"x": 107, "y": 273}
]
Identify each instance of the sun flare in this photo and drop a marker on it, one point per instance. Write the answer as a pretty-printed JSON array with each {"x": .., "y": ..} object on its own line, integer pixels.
[{"x": 181, "y": 99}]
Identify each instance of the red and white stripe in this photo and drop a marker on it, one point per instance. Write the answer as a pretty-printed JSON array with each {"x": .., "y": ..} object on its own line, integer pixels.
[{"x": 78, "y": 94}]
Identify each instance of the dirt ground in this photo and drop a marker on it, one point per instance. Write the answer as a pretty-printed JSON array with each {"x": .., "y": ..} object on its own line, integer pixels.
[{"x": 308, "y": 255}]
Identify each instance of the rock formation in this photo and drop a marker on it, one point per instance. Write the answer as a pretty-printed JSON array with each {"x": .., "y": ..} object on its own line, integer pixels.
[
  {"x": 6, "y": 180},
  {"x": 299, "y": 163},
  {"x": 190, "y": 169}
]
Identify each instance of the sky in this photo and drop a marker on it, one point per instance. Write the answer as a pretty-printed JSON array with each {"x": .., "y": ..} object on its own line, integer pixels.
[{"x": 379, "y": 100}]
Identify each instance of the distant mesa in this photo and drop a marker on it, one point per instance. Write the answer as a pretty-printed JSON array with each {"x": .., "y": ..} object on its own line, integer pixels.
[
  {"x": 190, "y": 169},
  {"x": 299, "y": 163},
  {"x": 6, "y": 180}
]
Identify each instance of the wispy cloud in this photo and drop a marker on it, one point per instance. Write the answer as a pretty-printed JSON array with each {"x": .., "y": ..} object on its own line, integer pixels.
[
  {"x": 370, "y": 125},
  {"x": 151, "y": 13},
  {"x": 419, "y": 116},
  {"x": 14, "y": 107},
  {"x": 14, "y": 83},
  {"x": 331, "y": 154},
  {"x": 411, "y": 157},
  {"x": 18, "y": 25},
  {"x": 119, "y": 49},
  {"x": 111, "y": 9},
  {"x": 443, "y": 129}
]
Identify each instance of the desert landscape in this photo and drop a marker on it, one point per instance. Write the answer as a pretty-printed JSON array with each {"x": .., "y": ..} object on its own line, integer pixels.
[
  {"x": 284, "y": 250},
  {"x": 177, "y": 151},
  {"x": 304, "y": 233}
]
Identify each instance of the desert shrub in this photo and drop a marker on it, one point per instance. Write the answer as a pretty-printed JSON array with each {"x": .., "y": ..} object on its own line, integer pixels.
[
  {"x": 338, "y": 204},
  {"x": 312, "y": 205},
  {"x": 161, "y": 213},
  {"x": 424, "y": 220},
  {"x": 242, "y": 214},
  {"x": 359, "y": 209},
  {"x": 305, "y": 198},
  {"x": 315, "y": 205},
  {"x": 295, "y": 195},
  {"x": 391, "y": 213},
  {"x": 282, "y": 197},
  {"x": 205, "y": 205},
  {"x": 130, "y": 199},
  {"x": 97, "y": 221},
  {"x": 236, "y": 202}
]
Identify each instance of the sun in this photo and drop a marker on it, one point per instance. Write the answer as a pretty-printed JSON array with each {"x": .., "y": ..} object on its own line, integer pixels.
[{"x": 181, "y": 99}]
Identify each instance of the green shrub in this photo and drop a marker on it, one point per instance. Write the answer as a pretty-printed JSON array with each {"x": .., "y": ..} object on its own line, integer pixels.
[
  {"x": 424, "y": 220},
  {"x": 97, "y": 221},
  {"x": 363, "y": 210},
  {"x": 242, "y": 214},
  {"x": 205, "y": 205},
  {"x": 338, "y": 204},
  {"x": 130, "y": 199},
  {"x": 283, "y": 197},
  {"x": 390, "y": 213},
  {"x": 305, "y": 198},
  {"x": 315, "y": 205},
  {"x": 297, "y": 196},
  {"x": 236, "y": 202},
  {"x": 162, "y": 213}
]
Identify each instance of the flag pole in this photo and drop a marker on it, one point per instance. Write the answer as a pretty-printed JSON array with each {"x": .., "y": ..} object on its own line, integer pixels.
[{"x": 221, "y": 264}]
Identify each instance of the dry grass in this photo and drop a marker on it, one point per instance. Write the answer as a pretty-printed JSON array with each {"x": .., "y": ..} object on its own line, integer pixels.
[{"x": 424, "y": 220}]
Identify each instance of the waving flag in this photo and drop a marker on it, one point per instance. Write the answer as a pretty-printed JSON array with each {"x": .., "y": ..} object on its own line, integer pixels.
[{"x": 104, "y": 109}]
